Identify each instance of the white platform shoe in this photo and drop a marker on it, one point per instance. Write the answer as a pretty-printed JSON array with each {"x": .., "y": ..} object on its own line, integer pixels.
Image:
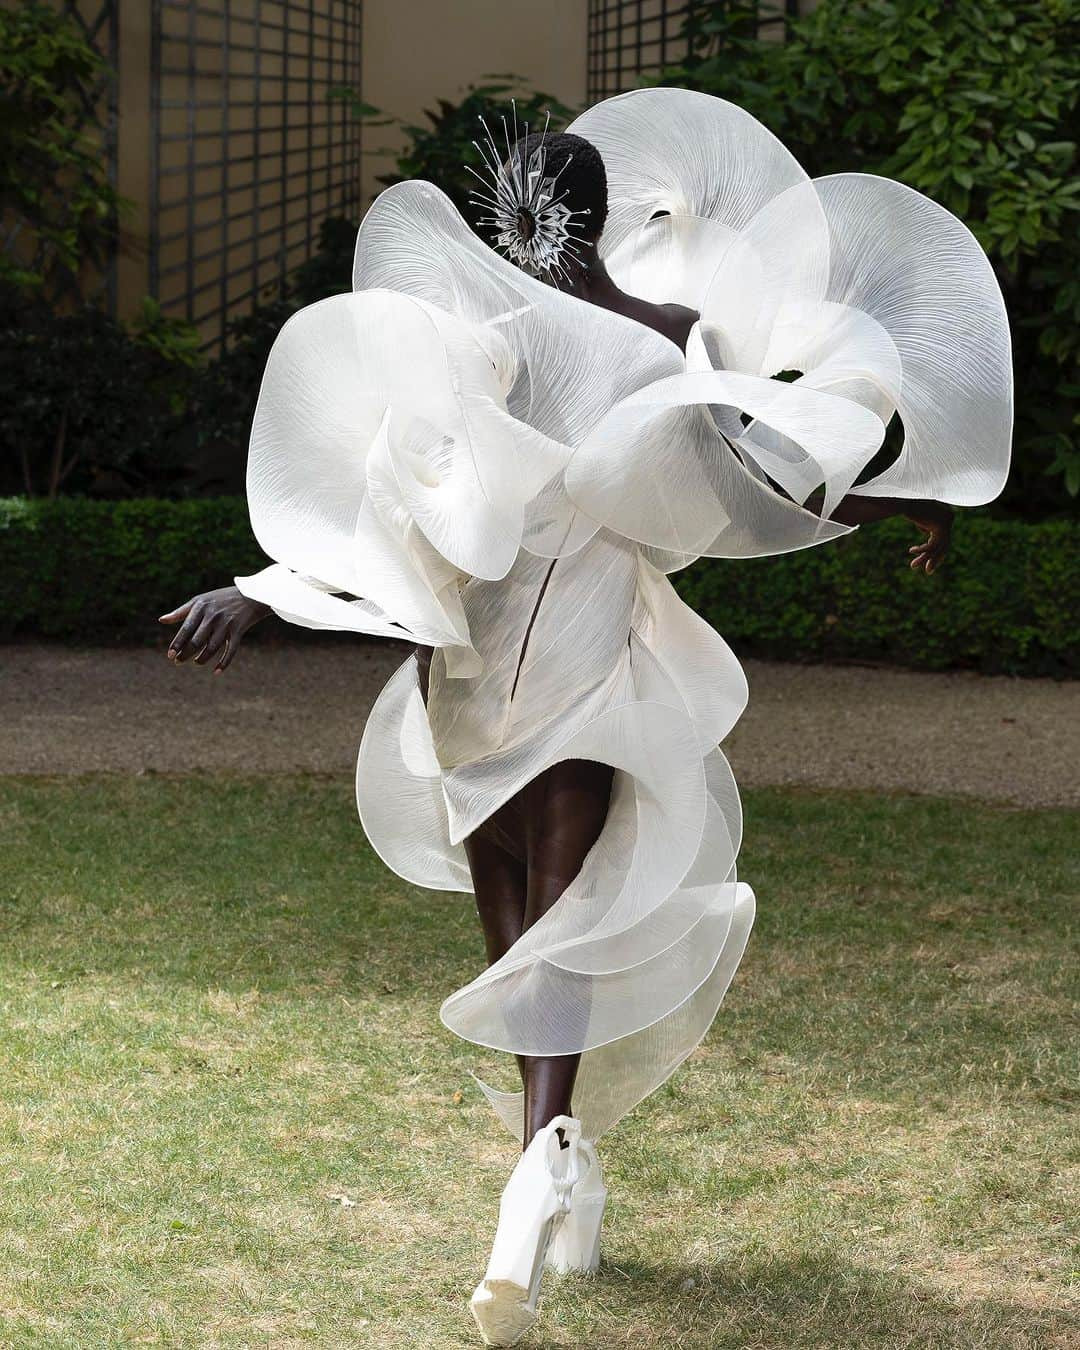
[
  {"x": 576, "y": 1244},
  {"x": 534, "y": 1204}
]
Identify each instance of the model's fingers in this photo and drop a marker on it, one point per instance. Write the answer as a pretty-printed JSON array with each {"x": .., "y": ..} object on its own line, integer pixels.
[
  {"x": 231, "y": 644},
  {"x": 175, "y": 615},
  {"x": 215, "y": 640},
  {"x": 196, "y": 639},
  {"x": 178, "y": 647},
  {"x": 200, "y": 637},
  {"x": 228, "y": 647}
]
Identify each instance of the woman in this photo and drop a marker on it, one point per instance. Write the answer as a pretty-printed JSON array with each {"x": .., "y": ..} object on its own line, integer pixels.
[{"x": 472, "y": 457}]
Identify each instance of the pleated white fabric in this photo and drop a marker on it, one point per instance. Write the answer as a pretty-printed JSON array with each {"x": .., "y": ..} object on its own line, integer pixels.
[{"x": 454, "y": 447}]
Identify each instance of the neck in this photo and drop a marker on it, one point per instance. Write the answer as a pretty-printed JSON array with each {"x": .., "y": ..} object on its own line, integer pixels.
[{"x": 585, "y": 276}]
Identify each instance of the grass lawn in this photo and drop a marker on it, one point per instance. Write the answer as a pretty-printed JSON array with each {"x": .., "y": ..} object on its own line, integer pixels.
[{"x": 230, "y": 1117}]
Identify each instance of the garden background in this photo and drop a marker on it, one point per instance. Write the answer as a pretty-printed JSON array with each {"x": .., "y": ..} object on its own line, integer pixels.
[
  {"x": 228, "y": 1114},
  {"x": 971, "y": 103}
]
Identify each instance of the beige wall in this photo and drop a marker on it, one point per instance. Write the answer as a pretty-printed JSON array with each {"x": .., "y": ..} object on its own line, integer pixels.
[
  {"x": 419, "y": 50},
  {"x": 414, "y": 51}
]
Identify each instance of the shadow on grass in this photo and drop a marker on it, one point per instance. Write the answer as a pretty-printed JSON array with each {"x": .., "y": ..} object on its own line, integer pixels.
[{"x": 798, "y": 1303}]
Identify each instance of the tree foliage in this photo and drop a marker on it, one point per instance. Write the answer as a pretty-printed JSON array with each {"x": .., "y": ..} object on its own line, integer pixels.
[
  {"x": 87, "y": 404},
  {"x": 58, "y": 209}
]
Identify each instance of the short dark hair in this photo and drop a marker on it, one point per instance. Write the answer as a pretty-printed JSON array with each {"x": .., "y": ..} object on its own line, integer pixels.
[{"x": 583, "y": 177}]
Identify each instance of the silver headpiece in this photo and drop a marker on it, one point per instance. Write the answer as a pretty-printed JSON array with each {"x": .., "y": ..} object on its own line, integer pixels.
[{"x": 531, "y": 224}]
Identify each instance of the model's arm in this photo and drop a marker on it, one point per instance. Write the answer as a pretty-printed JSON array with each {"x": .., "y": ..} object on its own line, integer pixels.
[
  {"x": 213, "y": 625},
  {"x": 934, "y": 517}
]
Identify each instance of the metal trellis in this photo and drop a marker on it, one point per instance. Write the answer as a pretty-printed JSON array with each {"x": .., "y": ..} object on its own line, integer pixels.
[
  {"x": 628, "y": 39},
  {"x": 249, "y": 154}
]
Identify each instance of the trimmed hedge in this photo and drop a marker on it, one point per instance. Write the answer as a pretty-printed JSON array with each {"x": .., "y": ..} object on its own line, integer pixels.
[
  {"x": 1008, "y": 598},
  {"x": 97, "y": 571}
]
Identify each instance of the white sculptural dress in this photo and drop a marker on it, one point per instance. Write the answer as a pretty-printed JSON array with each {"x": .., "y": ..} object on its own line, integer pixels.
[{"x": 455, "y": 441}]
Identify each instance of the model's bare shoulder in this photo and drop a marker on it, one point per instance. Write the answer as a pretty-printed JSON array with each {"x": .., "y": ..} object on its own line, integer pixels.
[{"x": 679, "y": 320}]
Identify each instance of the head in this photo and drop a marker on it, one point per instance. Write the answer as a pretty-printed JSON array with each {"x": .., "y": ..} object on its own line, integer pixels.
[
  {"x": 579, "y": 176},
  {"x": 547, "y": 201}
]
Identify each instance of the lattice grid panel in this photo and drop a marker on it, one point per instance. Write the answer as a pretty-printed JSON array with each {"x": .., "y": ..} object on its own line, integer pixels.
[
  {"x": 633, "y": 38},
  {"x": 249, "y": 153},
  {"x": 100, "y": 24}
]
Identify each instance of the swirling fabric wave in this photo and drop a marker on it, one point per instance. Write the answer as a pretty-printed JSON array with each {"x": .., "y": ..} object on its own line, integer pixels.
[{"x": 454, "y": 447}]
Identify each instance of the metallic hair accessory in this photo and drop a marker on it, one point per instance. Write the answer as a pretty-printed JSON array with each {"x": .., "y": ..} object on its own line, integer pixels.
[{"x": 531, "y": 224}]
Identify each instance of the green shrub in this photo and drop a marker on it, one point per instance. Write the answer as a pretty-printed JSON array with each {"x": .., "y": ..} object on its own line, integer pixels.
[
  {"x": 1007, "y": 600},
  {"x": 97, "y": 571},
  {"x": 89, "y": 404}
]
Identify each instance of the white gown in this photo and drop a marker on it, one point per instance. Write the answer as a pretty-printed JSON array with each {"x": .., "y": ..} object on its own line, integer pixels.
[{"x": 454, "y": 437}]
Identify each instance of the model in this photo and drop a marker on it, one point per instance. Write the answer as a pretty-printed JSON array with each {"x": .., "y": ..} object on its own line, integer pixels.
[{"x": 503, "y": 459}]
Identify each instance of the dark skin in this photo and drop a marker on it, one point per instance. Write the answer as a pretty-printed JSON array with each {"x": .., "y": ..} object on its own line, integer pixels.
[{"x": 524, "y": 856}]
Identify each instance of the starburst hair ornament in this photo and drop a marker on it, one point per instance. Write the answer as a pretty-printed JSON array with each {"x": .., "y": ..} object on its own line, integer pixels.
[{"x": 527, "y": 213}]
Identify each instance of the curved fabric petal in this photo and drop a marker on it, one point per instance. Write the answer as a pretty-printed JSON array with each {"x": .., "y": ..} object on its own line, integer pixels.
[
  {"x": 656, "y": 469},
  {"x": 398, "y": 780},
  {"x": 920, "y": 274},
  {"x": 335, "y": 369},
  {"x": 298, "y": 600},
  {"x": 686, "y": 153},
  {"x": 779, "y": 258},
  {"x": 613, "y": 1078},
  {"x": 671, "y": 260},
  {"x": 572, "y": 360},
  {"x": 842, "y": 352}
]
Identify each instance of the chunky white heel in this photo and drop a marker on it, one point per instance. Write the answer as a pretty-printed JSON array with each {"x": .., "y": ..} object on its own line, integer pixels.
[
  {"x": 576, "y": 1244},
  {"x": 533, "y": 1205}
]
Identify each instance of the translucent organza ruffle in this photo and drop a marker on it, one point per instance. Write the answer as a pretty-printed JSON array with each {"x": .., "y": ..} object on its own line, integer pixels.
[{"x": 455, "y": 450}]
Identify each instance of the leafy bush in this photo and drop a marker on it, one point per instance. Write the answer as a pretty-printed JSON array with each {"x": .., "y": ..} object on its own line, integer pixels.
[
  {"x": 91, "y": 405},
  {"x": 88, "y": 405},
  {"x": 972, "y": 102},
  {"x": 92, "y": 571},
  {"x": 1007, "y": 600}
]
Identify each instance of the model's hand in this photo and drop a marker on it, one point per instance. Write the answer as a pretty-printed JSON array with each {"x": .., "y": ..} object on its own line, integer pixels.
[
  {"x": 937, "y": 520},
  {"x": 212, "y": 625}
]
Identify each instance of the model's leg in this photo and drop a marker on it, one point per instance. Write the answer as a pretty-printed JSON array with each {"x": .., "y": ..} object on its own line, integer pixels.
[
  {"x": 567, "y": 807},
  {"x": 499, "y": 882}
]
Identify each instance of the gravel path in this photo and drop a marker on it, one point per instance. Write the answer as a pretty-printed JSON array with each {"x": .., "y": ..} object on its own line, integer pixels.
[{"x": 301, "y": 707}]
